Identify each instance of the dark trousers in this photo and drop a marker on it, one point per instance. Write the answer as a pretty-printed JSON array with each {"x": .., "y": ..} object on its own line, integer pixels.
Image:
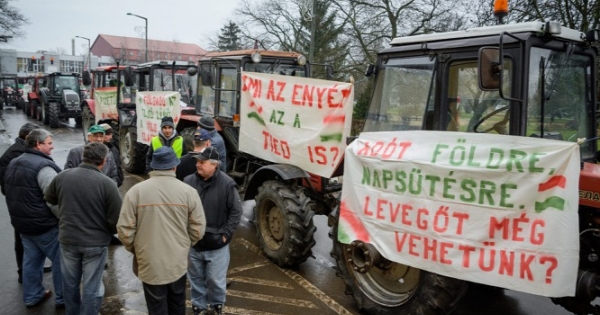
[
  {"x": 166, "y": 298},
  {"x": 19, "y": 253}
]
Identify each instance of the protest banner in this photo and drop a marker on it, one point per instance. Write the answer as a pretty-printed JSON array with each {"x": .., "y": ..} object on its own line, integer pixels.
[
  {"x": 105, "y": 100},
  {"x": 151, "y": 108},
  {"x": 293, "y": 120},
  {"x": 498, "y": 210}
]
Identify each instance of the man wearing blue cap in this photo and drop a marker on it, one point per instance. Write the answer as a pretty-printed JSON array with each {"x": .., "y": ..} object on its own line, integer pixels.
[
  {"x": 188, "y": 162},
  {"x": 160, "y": 220}
]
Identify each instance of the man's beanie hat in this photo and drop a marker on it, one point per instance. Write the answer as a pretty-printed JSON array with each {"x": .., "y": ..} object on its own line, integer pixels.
[
  {"x": 167, "y": 121},
  {"x": 207, "y": 123},
  {"x": 164, "y": 158},
  {"x": 107, "y": 129}
]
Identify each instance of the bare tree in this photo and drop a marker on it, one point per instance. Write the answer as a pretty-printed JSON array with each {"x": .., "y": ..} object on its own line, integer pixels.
[{"x": 11, "y": 20}]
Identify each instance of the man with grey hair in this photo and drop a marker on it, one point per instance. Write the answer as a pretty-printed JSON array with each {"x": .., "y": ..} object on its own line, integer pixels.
[
  {"x": 15, "y": 150},
  {"x": 88, "y": 209},
  {"x": 25, "y": 180},
  {"x": 209, "y": 258}
]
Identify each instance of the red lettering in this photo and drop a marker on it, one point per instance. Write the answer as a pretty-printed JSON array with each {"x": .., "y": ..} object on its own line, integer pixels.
[
  {"x": 537, "y": 238},
  {"x": 501, "y": 226},
  {"x": 430, "y": 249},
  {"x": 320, "y": 93},
  {"x": 380, "y": 203},
  {"x": 422, "y": 223},
  {"x": 400, "y": 242},
  {"x": 507, "y": 263},
  {"x": 366, "y": 208},
  {"x": 308, "y": 94},
  {"x": 405, "y": 209},
  {"x": 331, "y": 96},
  {"x": 275, "y": 145},
  {"x": 320, "y": 152},
  {"x": 525, "y": 270},
  {"x": 444, "y": 246},
  {"x": 394, "y": 212},
  {"x": 295, "y": 92},
  {"x": 461, "y": 218},
  {"x": 466, "y": 249},
  {"x": 412, "y": 244}
]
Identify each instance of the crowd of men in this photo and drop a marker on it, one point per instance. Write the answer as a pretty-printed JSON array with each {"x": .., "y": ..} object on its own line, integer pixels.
[{"x": 188, "y": 210}]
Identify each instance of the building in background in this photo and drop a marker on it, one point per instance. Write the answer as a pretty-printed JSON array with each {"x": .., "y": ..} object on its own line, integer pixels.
[{"x": 106, "y": 50}]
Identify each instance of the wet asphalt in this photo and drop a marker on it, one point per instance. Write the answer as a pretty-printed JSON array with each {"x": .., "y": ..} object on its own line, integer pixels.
[{"x": 258, "y": 286}]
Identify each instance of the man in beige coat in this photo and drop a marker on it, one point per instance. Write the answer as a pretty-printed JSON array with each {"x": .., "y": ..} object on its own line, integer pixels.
[{"x": 160, "y": 220}]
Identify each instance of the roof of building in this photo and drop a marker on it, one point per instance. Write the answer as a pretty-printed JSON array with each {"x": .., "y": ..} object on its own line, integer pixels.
[{"x": 153, "y": 45}]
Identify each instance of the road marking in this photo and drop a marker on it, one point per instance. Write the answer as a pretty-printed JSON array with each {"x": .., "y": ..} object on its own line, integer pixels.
[
  {"x": 270, "y": 283},
  {"x": 255, "y": 265},
  {"x": 243, "y": 311},
  {"x": 271, "y": 298},
  {"x": 331, "y": 303}
]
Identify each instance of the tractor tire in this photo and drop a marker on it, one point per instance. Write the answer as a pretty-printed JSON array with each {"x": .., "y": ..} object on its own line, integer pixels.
[
  {"x": 87, "y": 120},
  {"x": 188, "y": 138},
  {"x": 133, "y": 153},
  {"x": 78, "y": 121},
  {"x": 283, "y": 218},
  {"x": 52, "y": 114},
  {"x": 392, "y": 288},
  {"x": 26, "y": 109}
]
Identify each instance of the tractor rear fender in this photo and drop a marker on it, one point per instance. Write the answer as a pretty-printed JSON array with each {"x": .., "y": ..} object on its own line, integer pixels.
[
  {"x": 32, "y": 96},
  {"x": 281, "y": 172},
  {"x": 89, "y": 103}
]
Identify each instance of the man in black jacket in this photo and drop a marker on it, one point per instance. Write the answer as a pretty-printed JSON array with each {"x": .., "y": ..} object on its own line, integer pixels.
[
  {"x": 209, "y": 258},
  {"x": 114, "y": 150},
  {"x": 25, "y": 180},
  {"x": 15, "y": 150},
  {"x": 188, "y": 161}
]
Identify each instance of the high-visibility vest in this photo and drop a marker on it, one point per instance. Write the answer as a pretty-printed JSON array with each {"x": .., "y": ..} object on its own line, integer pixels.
[{"x": 177, "y": 145}]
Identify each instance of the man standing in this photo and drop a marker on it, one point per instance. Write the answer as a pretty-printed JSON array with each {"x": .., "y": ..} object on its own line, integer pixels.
[
  {"x": 160, "y": 219},
  {"x": 114, "y": 150},
  {"x": 15, "y": 150},
  {"x": 208, "y": 124},
  {"x": 75, "y": 157},
  {"x": 209, "y": 258},
  {"x": 188, "y": 161},
  {"x": 89, "y": 206},
  {"x": 167, "y": 137},
  {"x": 25, "y": 180}
]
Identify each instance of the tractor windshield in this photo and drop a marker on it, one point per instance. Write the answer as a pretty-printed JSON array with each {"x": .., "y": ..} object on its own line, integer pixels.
[
  {"x": 404, "y": 88},
  {"x": 275, "y": 68},
  {"x": 560, "y": 104}
]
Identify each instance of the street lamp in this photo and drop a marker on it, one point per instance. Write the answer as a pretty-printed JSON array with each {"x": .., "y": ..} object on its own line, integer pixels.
[
  {"x": 146, "y": 20},
  {"x": 89, "y": 52}
]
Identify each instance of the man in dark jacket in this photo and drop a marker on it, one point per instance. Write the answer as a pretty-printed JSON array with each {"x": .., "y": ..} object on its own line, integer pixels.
[
  {"x": 168, "y": 137},
  {"x": 15, "y": 150},
  {"x": 89, "y": 207},
  {"x": 188, "y": 161},
  {"x": 75, "y": 156},
  {"x": 114, "y": 150},
  {"x": 208, "y": 124},
  {"x": 25, "y": 180},
  {"x": 209, "y": 258}
]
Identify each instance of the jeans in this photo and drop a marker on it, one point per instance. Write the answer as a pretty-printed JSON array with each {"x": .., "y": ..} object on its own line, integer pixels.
[
  {"x": 166, "y": 298},
  {"x": 36, "y": 249},
  {"x": 207, "y": 273},
  {"x": 83, "y": 263}
]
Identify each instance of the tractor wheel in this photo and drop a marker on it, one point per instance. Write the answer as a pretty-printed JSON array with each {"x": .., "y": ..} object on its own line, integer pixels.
[
  {"x": 133, "y": 153},
  {"x": 52, "y": 114},
  {"x": 391, "y": 288},
  {"x": 26, "y": 109},
  {"x": 188, "y": 138},
  {"x": 78, "y": 121},
  {"x": 283, "y": 218},
  {"x": 87, "y": 120}
]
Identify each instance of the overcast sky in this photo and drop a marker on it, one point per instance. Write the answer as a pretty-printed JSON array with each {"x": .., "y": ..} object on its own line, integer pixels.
[{"x": 55, "y": 23}]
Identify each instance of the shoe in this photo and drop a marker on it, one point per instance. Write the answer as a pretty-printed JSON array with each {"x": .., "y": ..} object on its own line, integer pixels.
[
  {"x": 198, "y": 311},
  {"x": 48, "y": 269},
  {"x": 218, "y": 309},
  {"x": 47, "y": 295},
  {"x": 60, "y": 306}
]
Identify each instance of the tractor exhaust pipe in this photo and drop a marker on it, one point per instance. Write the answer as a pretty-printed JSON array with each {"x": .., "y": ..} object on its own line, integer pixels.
[{"x": 363, "y": 256}]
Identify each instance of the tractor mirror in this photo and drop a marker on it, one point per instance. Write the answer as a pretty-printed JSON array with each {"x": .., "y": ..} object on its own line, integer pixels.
[
  {"x": 206, "y": 76},
  {"x": 489, "y": 68},
  {"x": 192, "y": 71},
  {"x": 86, "y": 77},
  {"x": 128, "y": 76}
]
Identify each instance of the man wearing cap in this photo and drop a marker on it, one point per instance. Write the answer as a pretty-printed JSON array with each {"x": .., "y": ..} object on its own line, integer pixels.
[
  {"x": 75, "y": 156},
  {"x": 188, "y": 161},
  {"x": 168, "y": 137},
  {"x": 88, "y": 209},
  {"x": 161, "y": 218},
  {"x": 114, "y": 150},
  {"x": 209, "y": 258},
  {"x": 208, "y": 124}
]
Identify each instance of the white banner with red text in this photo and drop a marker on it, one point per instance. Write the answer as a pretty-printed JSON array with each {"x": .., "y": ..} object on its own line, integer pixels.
[
  {"x": 294, "y": 120},
  {"x": 498, "y": 210},
  {"x": 151, "y": 107}
]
